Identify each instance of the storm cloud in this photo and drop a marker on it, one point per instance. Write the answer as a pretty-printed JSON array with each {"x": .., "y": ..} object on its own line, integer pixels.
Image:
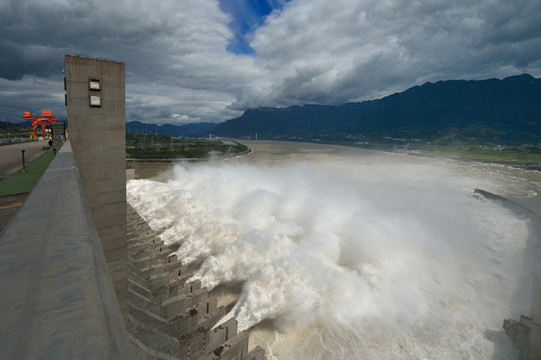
[{"x": 202, "y": 60}]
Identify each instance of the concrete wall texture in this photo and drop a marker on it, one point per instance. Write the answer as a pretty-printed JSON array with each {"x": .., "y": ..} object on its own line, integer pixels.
[
  {"x": 57, "y": 299},
  {"x": 525, "y": 333},
  {"x": 165, "y": 315},
  {"x": 169, "y": 316},
  {"x": 95, "y": 98}
]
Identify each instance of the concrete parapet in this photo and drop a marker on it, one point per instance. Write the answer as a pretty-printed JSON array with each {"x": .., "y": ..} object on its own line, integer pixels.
[
  {"x": 159, "y": 280},
  {"x": 162, "y": 252},
  {"x": 59, "y": 299},
  {"x": 145, "y": 249},
  {"x": 519, "y": 333},
  {"x": 163, "y": 266},
  {"x": 211, "y": 319},
  {"x": 174, "y": 289},
  {"x": 232, "y": 349},
  {"x": 526, "y": 333},
  {"x": 156, "y": 251},
  {"x": 178, "y": 304},
  {"x": 184, "y": 324},
  {"x": 179, "y": 282},
  {"x": 206, "y": 307},
  {"x": 195, "y": 345},
  {"x": 223, "y": 332},
  {"x": 141, "y": 260}
]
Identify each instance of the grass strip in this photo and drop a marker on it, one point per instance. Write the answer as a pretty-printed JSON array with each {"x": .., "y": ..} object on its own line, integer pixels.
[{"x": 22, "y": 183}]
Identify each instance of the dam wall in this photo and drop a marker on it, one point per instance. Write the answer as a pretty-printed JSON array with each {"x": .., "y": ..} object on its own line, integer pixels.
[
  {"x": 526, "y": 332},
  {"x": 58, "y": 299},
  {"x": 77, "y": 281},
  {"x": 169, "y": 316},
  {"x": 95, "y": 100}
]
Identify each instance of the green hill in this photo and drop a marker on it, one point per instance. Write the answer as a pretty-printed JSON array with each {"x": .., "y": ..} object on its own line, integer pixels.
[{"x": 482, "y": 111}]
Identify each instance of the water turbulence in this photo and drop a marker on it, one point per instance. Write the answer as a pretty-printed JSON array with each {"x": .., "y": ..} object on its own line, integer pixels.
[{"x": 346, "y": 259}]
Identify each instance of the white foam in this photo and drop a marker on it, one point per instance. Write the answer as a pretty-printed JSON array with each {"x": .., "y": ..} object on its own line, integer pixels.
[{"x": 396, "y": 259}]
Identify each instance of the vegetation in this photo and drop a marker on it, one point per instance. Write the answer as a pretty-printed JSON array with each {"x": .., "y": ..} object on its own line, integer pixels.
[
  {"x": 9, "y": 130},
  {"x": 495, "y": 120},
  {"x": 464, "y": 149},
  {"x": 165, "y": 147},
  {"x": 526, "y": 154},
  {"x": 23, "y": 182},
  {"x": 183, "y": 130},
  {"x": 504, "y": 112}
]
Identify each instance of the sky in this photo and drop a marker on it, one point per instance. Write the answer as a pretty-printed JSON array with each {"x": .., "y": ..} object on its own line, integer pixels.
[{"x": 190, "y": 61}]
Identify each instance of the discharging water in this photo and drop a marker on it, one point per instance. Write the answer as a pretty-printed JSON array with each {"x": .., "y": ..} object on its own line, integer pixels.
[{"x": 340, "y": 253}]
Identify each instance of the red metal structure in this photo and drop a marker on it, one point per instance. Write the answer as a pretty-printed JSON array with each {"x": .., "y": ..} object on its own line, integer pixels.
[{"x": 45, "y": 118}]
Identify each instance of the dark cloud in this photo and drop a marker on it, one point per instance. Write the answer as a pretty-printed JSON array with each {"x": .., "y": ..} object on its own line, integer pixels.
[
  {"x": 11, "y": 63},
  {"x": 179, "y": 68}
]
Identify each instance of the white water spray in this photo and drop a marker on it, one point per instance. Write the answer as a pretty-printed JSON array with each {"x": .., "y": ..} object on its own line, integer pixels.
[{"x": 351, "y": 258}]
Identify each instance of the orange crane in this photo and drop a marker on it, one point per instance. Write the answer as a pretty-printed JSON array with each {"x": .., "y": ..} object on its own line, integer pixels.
[{"x": 45, "y": 118}]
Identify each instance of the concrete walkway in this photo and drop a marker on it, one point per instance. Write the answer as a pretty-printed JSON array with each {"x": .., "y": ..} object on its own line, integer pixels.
[
  {"x": 58, "y": 301},
  {"x": 11, "y": 157}
]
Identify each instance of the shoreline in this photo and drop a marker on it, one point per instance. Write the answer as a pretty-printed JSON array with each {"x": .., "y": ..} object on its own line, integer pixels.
[
  {"x": 515, "y": 164},
  {"x": 190, "y": 159},
  {"x": 536, "y": 166},
  {"x": 529, "y": 166}
]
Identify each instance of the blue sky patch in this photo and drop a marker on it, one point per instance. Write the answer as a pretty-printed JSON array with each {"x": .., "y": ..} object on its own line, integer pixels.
[{"x": 247, "y": 15}]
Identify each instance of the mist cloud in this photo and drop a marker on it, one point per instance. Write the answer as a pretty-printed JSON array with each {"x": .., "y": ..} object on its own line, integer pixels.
[{"x": 383, "y": 248}]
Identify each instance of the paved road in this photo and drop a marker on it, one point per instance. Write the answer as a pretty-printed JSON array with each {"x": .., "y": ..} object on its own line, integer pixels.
[
  {"x": 11, "y": 156},
  {"x": 11, "y": 161}
]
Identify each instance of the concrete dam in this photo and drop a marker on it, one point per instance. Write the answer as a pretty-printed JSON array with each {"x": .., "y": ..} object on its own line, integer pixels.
[
  {"x": 84, "y": 277},
  {"x": 96, "y": 281}
]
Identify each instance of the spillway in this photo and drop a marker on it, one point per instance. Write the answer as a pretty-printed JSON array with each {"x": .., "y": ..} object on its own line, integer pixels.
[{"x": 335, "y": 253}]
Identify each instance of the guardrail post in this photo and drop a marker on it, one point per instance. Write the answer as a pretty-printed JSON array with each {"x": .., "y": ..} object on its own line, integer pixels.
[{"x": 24, "y": 165}]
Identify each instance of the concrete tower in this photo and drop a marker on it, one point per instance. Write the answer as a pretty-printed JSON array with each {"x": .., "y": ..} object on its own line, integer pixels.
[{"x": 95, "y": 98}]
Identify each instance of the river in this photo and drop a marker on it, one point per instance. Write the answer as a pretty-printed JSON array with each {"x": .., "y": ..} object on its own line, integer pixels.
[{"x": 341, "y": 253}]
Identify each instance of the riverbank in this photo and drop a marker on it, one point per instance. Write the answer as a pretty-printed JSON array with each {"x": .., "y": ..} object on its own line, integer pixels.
[
  {"x": 515, "y": 164},
  {"x": 172, "y": 160},
  {"x": 164, "y": 148},
  {"x": 163, "y": 168},
  {"x": 530, "y": 155}
]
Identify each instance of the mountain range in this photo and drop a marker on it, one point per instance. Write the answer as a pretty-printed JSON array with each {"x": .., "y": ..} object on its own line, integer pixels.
[
  {"x": 495, "y": 111},
  {"x": 504, "y": 111}
]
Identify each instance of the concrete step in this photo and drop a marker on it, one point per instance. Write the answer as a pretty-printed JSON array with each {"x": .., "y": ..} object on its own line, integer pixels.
[
  {"x": 138, "y": 287},
  {"x": 166, "y": 291},
  {"x": 143, "y": 302},
  {"x": 211, "y": 319},
  {"x": 234, "y": 348},
  {"x": 170, "y": 317},
  {"x": 179, "y": 304},
  {"x": 143, "y": 352},
  {"x": 154, "y": 338},
  {"x": 149, "y": 319},
  {"x": 223, "y": 333}
]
